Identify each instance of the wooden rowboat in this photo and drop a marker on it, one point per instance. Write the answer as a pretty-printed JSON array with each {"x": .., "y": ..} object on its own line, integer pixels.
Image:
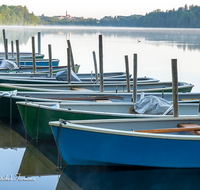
[
  {"x": 23, "y": 55},
  {"x": 39, "y": 62},
  {"x": 29, "y": 70},
  {"x": 114, "y": 97},
  {"x": 9, "y": 110},
  {"x": 110, "y": 75},
  {"x": 141, "y": 87},
  {"x": 39, "y": 114},
  {"x": 82, "y": 76},
  {"x": 43, "y": 78},
  {"x": 128, "y": 142}
]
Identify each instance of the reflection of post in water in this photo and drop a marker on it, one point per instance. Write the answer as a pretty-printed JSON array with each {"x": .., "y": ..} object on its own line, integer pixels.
[
  {"x": 123, "y": 178},
  {"x": 40, "y": 159},
  {"x": 12, "y": 137}
]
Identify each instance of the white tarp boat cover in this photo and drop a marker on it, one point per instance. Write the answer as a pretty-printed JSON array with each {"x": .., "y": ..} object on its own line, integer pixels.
[
  {"x": 12, "y": 93},
  {"x": 63, "y": 76},
  {"x": 7, "y": 64},
  {"x": 153, "y": 105}
]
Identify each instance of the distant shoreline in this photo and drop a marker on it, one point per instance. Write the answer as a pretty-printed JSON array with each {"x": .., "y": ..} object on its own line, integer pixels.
[{"x": 184, "y": 17}]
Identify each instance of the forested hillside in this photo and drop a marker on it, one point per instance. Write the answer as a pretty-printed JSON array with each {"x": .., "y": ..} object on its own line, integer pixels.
[
  {"x": 17, "y": 15},
  {"x": 184, "y": 17}
]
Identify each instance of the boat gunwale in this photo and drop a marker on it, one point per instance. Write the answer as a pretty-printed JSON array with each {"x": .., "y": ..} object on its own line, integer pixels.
[
  {"x": 73, "y": 125},
  {"x": 91, "y": 112},
  {"x": 47, "y": 80},
  {"x": 184, "y": 84}
]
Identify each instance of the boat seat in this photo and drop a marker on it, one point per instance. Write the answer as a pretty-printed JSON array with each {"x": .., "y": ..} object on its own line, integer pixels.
[
  {"x": 186, "y": 99},
  {"x": 103, "y": 101},
  {"x": 80, "y": 89},
  {"x": 193, "y": 128},
  {"x": 189, "y": 126}
]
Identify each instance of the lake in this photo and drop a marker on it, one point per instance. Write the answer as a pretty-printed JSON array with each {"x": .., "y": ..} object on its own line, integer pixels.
[{"x": 38, "y": 164}]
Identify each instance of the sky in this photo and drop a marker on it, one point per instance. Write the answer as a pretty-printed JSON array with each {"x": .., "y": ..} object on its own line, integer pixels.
[{"x": 98, "y": 8}]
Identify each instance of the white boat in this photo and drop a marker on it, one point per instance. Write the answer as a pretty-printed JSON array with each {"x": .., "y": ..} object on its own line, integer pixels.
[{"x": 141, "y": 87}]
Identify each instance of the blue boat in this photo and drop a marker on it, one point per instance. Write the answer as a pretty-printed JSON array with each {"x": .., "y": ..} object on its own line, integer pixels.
[
  {"x": 158, "y": 142},
  {"x": 39, "y": 62}
]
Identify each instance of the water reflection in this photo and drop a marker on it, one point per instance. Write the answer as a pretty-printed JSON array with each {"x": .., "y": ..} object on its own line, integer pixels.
[
  {"x": 96, "y": 178},
  {"x": 26, "y": 163},
  {"x": 41, "y": 159},
  {"x": 12, "y": 136}
]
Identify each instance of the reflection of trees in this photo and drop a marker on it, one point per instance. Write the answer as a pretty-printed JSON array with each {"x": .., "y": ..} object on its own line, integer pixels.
[
  {"x": 17, "y": 33},
  {"x": 182, "y": 38}
]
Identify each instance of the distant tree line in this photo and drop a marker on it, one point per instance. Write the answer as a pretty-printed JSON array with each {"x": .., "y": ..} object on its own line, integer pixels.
[
  {"x": 184, "y": 17},
  {"x": 17, "y": 15}
]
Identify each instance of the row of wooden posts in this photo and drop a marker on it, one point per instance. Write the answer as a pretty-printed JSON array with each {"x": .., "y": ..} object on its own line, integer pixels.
[
  {"x": 33, "y": 52},
  {"x": 70, "y": 62},
  {"x": 39, "y": 51},
  {"x": 174, "y": 81},
  {"x": 5, "y": 40},
  {"x": 174, "y": 76},
  {"x": 70, "y": 59}
]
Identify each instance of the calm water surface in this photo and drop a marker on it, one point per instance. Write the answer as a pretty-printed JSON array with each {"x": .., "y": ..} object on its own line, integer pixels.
[{"x": 27, "y": 164}]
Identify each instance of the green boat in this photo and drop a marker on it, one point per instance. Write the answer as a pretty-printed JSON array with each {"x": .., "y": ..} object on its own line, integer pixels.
[
  {"x": 10, "y": 112},
  {"x": 116, "y": 87},
  {"x": 8, "y": 107},
  {"x": 36, "y": 116}
]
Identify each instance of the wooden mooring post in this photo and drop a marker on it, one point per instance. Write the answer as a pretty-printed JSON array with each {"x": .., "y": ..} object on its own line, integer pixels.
[
  {"x": 33, "y": 54},
  {"x": 6, "y": 49},
  {"x": 134, "y": 78},
  {"x": 101, "y": 62},
  {"x": 68, "y": 65},
  {"x": 95, "y": 67},
  {"x": 4, "y": 40},
  {"x": 18, "y": 56},
  {"x": 175, "y": 86},
  {"x": 39, "y": 42},
  {"x": 12, "y": 49},
  {"x": 50, "y": 61},
  {"x": 71, "y": 56},
  {"x": 127, "y": 73}
]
